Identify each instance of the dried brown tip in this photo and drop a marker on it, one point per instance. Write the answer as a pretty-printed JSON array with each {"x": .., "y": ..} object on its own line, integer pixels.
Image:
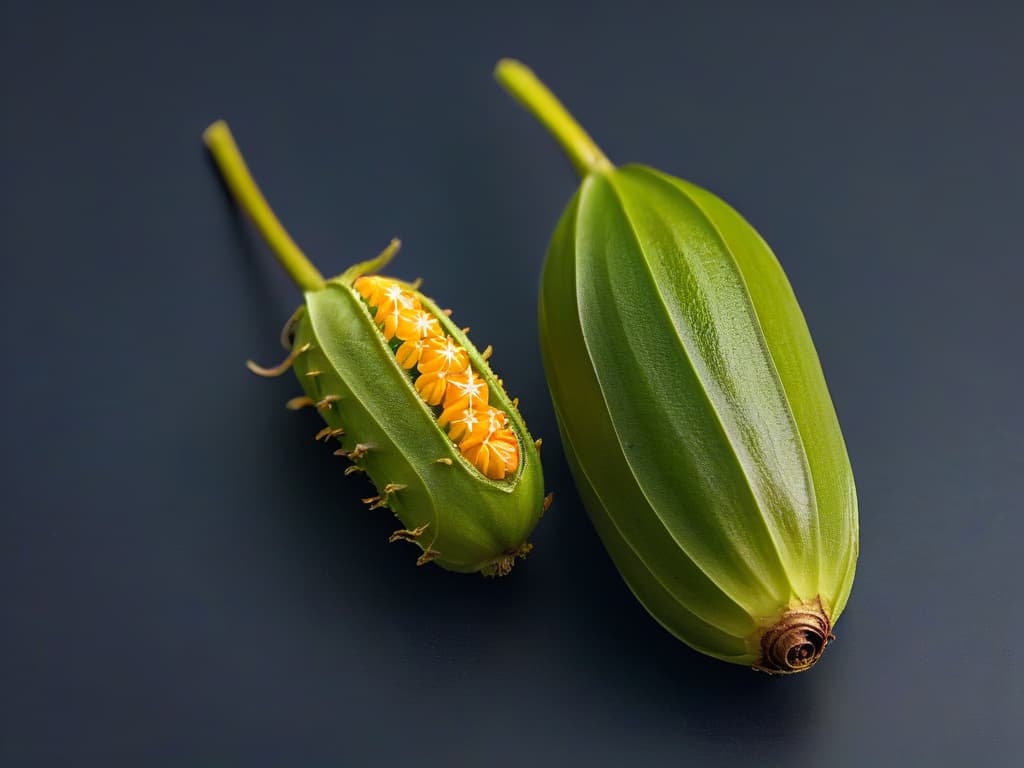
[
  {"x": 547, "y": 502},
  {"x": 503, "y": 565},
  {"x": 796, "y": 641}
]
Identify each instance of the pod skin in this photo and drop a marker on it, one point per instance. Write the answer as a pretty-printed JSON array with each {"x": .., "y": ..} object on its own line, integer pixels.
[
  {"x": 693, "y": 409},
  {"x": 463, "y": 513}
]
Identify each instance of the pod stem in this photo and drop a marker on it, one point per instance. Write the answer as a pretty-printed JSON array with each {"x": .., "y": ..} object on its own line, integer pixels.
[
  {"x": 222, "y": 146},
  {"x": 520, "y": 81}
]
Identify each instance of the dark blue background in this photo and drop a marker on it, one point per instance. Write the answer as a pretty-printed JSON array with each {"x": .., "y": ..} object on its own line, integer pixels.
[{"x": 186, "y": 578}]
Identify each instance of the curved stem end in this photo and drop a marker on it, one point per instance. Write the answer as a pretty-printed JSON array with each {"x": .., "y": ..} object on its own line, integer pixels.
[
  {"x": 247, "y": 194},
  {"x": 521, "y": 82}
]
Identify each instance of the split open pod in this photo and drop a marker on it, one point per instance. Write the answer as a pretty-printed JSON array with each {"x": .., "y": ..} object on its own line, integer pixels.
[{"x": 409, "y": 401}]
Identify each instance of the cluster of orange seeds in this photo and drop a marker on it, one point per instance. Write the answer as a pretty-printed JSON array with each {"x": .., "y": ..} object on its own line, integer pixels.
[{"x": 444, "y": 377}]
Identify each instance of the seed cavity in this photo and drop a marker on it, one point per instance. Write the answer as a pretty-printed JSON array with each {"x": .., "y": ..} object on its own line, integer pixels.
[{"x": 443, "y": 376}]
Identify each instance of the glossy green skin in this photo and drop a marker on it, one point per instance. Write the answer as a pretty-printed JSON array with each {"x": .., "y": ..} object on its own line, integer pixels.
[
  {"x": 474, "y": 522},
  {"x": 694, "y": 412}
]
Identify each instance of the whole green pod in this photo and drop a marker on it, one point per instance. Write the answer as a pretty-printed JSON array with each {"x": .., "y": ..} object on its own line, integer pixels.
[
  {"x": 408, "y": 397},
  {"x": 693, "y": 409}
]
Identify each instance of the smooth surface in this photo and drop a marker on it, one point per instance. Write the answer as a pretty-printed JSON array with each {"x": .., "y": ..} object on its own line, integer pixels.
[{"x": 186, "y": 578}]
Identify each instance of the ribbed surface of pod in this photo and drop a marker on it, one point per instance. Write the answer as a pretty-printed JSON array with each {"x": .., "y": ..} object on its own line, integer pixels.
[{"x": 696, "y": 419}]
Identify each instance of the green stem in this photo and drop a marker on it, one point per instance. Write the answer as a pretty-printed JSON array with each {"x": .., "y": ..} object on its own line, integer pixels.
[
  {"x": 221, "y": 144},
  {"x": 519, "y": 80}
]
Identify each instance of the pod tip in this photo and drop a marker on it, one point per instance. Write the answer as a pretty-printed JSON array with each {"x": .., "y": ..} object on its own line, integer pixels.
[
  {"x": 796, "y": 641},
  {"x": 508, "y": 65},
  {"x": 502, "y": 566},
  {"x": 215, "y": 131}
]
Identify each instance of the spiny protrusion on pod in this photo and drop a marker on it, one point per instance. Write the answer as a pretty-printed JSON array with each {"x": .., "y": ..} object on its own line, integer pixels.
[
  {"x": 283, "y": 366},
  {"x": 327, "y": 401},
  {"x": 693, "y": 409},
  {"x": 329, "y": 432},
  {"x": 424, "y": 416},
  {"x": 404, "y": 534}
]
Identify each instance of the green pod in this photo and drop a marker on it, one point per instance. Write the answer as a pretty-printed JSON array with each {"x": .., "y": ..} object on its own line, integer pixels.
[
  {"x": 693, "y": 409},
  {"x": 345, "y": 359}
]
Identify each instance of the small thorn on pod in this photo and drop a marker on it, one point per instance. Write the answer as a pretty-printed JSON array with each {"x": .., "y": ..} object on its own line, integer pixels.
[
  {"x": 538, "y": 442},
  {"x": 353, "y": 469},
  {"x": 466, "y": 329},
  {"x": 381, "y": 500},
  {"x": 327, "y": 433},
  {"x": 447, "y": 312},
  {"x": 311, "y": 374},
  {"x": 296, "y": 403},
  {"x": 360, "y": 450},
  {"x": 547, "y": 502},
  {"x": 515, "y": 402},
  {"x": 444, "y": 460},
  {"x": 429, "y": 554},
  {"x": 417, "y": 283},
  {"x": 326, "y": 403},
  {"x": 404, "y": 534},
  {"x": 488, "y": 351},
  {"x": 283, "y": 366}
]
